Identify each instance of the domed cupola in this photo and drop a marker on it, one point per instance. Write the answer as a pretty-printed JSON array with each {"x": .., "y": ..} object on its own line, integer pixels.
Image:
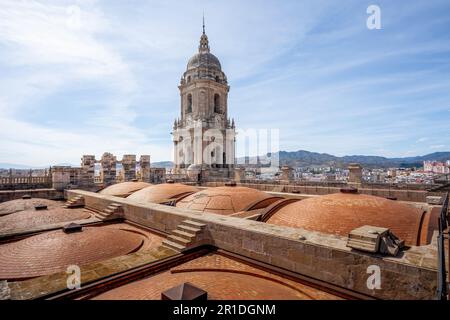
[
  {"x": 204, "y": 65},
  {"x": 204, "y": 58}
]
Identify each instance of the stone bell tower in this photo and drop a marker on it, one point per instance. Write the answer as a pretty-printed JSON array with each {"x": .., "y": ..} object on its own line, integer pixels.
[{"x": 203, "y": 135}]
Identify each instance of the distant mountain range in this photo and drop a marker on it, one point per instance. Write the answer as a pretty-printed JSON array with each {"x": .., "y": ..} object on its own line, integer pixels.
[
  {"x": 15, "y": 166},
  {"x": 4, "y": 165},
  {"x": 162, "y": 164},
  {"x": 302, "y": 158}
]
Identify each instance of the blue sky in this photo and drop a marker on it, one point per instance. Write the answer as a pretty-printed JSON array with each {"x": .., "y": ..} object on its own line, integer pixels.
[{"x": 84, "y": 77}]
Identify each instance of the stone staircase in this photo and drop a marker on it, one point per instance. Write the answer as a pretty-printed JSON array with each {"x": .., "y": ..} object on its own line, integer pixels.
[
  {"x": 75, "y": 202},
  {"x": 185, "y": 236},
  {"x": 113, "y": 211}
]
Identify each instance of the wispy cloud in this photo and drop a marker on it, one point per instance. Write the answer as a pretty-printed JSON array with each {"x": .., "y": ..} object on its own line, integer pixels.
[{"x": 107, "y": 81}]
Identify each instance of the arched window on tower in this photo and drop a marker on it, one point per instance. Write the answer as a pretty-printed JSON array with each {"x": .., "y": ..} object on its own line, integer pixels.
[
  {"x": 188, "y": 79},
  {"x": 217, "y": 103},
  {"x": 189, "y": 103}
]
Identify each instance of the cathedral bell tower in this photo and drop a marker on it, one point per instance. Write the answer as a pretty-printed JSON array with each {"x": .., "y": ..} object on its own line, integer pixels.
[{"x": 203, "y": 135}]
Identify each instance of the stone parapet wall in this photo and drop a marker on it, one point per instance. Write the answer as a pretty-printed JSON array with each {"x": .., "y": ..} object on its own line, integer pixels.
[
  {"x": 318, "y": 256},
  {"x": 400, "y": 194},
  {"x": 7, "y": 195},
  {"x": 18, "y": 183},
  {"x": 61, "y": 178}
]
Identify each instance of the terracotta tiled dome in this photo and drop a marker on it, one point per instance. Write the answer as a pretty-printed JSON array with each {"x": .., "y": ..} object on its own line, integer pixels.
[
  {"x": 53, "y": 251},
  {"x": 223, "y": 200},
  {"x": 340, "y": 213},
  {"x": 161, "y": 192},
  {"x": 29, "y": 219},
  {"x": 12, "y": 206},
  {"x": 222, "y": 278},
  {"x": 124, "y": 189}
]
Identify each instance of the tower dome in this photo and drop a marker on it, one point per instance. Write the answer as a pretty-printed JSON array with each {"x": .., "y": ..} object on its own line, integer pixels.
[
  {"x": 204, "y": 60},
  {"x": 204, "y": 65}
]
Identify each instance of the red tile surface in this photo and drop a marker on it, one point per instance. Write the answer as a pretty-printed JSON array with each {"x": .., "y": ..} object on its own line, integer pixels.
[
  {"x": 222, "y": 278},
  {"x": 340, "y": 213},
  {"x": 26, "y": 220},
  {"x": 124, "y": 189},
  {"x": 18, "y": 205},
  {"x": 161, "y": 192},
  {"x": 53, "y": 251},
  {"x": 223, "y": 200}
]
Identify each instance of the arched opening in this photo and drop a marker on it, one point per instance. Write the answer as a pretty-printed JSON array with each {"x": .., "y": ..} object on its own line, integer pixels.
[
  {"x": 217, "y": 103},
  {"x": 189, "y": 103},
  {"x": 98, "y": 173},
  {"x": 119, "y": 172},
  {"x": 188, "y": 79}
]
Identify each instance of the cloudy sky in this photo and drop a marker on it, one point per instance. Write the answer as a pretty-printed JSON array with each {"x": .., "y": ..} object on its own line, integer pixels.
[{"x": 87, "y": 76}]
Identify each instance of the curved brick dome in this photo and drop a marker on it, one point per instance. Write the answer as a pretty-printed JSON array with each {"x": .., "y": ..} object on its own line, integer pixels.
[
  {"x": 222, "y": 278},
  {"x": 219, "y": 285},
  {"x": 161, "y": 192},
  {"x": 53, "y": 251},
  {"x": 12, "y": 206},
  {"x": 223, "y": 200},
  {"x": 124, "y": 189},
  {"x": 340, "y": 213},
  {"x": 33, "y": 219}
]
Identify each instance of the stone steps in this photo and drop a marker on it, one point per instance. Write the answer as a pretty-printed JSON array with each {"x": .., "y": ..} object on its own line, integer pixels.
[
  {"x": 110, "y": 212},
  {"x": 184, "y": 236},
  {"x": 77, "y": 201},
  {"x": 172, "y": 245},
  {"x": 188, "y": 229},
  {"x": 179, "y": 240},
  {"x": 194, "y": 224}
]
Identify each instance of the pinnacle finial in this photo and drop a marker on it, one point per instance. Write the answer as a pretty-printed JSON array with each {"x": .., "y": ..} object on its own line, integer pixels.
[
  {"x": 203, "y": 22},
  {"x": 204, "y": 44}
]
